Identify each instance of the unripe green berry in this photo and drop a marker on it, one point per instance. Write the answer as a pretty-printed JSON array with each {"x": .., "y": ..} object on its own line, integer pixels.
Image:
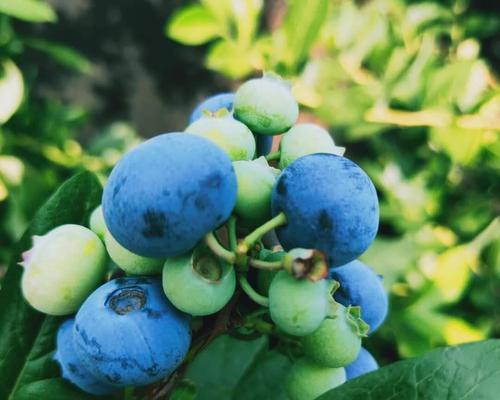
[
  {"x": 308, "y": 380},
  {"x": 97, "y": 223},
  {"x": 337, "y": 342},
  {"x": 304, "y": 139},
  {"x": 255, "y": 185},
  {"x": 198, "y": 283},
  {"x": 229, "y": 134},
  {"x": 62, "y": 269},
  {"x": 131, "y": 263},
  {"x": 297, "y": 306},
  {"x": 266, "y": 105}
]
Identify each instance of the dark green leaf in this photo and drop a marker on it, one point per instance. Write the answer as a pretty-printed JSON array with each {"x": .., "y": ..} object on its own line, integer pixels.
[
  {"x": 217, "y": 371},
  {"x": 26, "y": 336},
  {"x": 64, "y": 55},
  {"x": 28, "y": 10},
  {"x": 468, "y": 371}
]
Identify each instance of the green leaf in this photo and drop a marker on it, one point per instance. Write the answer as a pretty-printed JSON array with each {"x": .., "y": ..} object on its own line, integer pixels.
[
  {"x": 193, "y": 25},
  {"x": 218, "y": 369},
  {"x": 230, "y": 59},
  {"x": 11, "y": 90},
  {"x": 28, "y": 10},
  {"x": 302, "y": 26},
  {"x": 27, "y": 336},
  {"x": 64, "y": 55},
  {"x": 468, "y": 371}
]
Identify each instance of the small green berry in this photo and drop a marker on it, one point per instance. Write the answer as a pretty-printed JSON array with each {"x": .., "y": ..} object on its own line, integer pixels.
[
  {"x": 62, "y": 269},
  {"x": 304, "y": 139},
  {"x": 97, "y": 223},
  {"x": 337, "y": 342},
  {"x": 255, "y": 185},
  {"x": 266, "y": 105},
  {"x": 198, "y": 283},
  {"x": 308, "y": 380},
  {"x": 131, "y": 263},
  {"x": 229, "y": 134}
]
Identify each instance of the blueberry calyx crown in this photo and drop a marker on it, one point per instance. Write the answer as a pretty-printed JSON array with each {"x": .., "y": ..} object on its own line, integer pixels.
[
  {"x": 353, "y": 316},
  {"x": 306, "y": 263},
  {"x": 125, "y": 300},
  {"x": 207, "y": 266}
]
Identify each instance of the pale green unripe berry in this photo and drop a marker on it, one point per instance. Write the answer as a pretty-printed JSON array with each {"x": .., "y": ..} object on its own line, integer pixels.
[
  {"x": 62, "y": 269},
  {"x": 131, "y": 263},
  {"x": 304, "y": 139},
  {"x": 97, "y": 223},
  {"x": 255, "y": 185},
  {"x": 297, "y": 306},
  {"x": 337, "y": 342},
  {"x": 308, "y": 381},
  {"x": 229, "y": 134},
  {"x": 198, "y": 283},
  {"x": 266, "y": 105}
]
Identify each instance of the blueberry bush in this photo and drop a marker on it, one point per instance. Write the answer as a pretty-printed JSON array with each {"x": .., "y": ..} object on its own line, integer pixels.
[{"x": 325, "y": 229}]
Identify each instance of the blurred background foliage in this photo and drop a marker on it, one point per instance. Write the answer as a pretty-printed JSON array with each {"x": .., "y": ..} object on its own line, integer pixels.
[{"x": 410, "y": 88}]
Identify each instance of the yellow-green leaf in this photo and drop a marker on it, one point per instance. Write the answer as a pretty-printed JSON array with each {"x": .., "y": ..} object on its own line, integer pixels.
[
  {"x": 193, "y": 25},
  {"x": 11, "y": 89},
  {"x": 28, "y": 10}
]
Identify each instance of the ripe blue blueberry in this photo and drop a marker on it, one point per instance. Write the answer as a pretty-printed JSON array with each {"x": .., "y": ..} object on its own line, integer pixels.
[
  {"x": 167, "y": 193},
  {"x": 361, "y": 286},
  {"x": 330, "y": 205},
  {"x": 363, "y": 364},
  {"x": 229, "y": 134},
  {"x": 72, "y": 368},
  {"x": 212, "y": 104},
  {"x": 128, "y": 334},
  {"x": 266, "y": 105}
]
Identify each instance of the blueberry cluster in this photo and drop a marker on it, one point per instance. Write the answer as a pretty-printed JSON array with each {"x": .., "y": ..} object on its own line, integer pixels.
[{"x": 216, "y": 214}]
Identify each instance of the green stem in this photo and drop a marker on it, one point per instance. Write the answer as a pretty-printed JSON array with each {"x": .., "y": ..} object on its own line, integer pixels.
[
  {"x": 254, "y": 236},
  {"x": 250, "y": 291},
  {"x": 231, "y": 232},
  {"x": 268, "y": 265},
  {"x": 275, "y": 155},
  {"x": 219, "y": 250}
]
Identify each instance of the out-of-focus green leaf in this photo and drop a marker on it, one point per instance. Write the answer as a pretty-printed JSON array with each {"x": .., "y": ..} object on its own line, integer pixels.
[
  {"x": 463, "y": 145},
  {"x": 11, "y": 90},
  {"x": 230, "y": 59},
  {"x": 28, "y": 10},
  {"x": 193, "y": 25},
  {"x": 468, "y": 371},
  {"x": 302, "y": 26},
  {"x": 422, "y": 15},
  {"x": 64, "y": 55},
  {"x": 27, "y": 336}
]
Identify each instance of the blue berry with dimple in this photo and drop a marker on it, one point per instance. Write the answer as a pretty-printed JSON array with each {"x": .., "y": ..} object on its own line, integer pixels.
[
  {"x": 167, "y": 193},
  {"x": 361, "y": 286},
  {"x": 128, "y": 334},
  {"x": 72, "y": 368},
  {"x": 213, "y": 104},
  {"x": 363, "y": 364},
  {"x": 330, "y": 204}
]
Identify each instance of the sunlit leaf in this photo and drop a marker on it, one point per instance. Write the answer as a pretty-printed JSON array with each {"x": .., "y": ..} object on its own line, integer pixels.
[
  {"x": 230, "y": 59},
  {"x": 11, "y": 90},
  {"x": 28, "y": 10},
  {"x": 193, "y": 25}
]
